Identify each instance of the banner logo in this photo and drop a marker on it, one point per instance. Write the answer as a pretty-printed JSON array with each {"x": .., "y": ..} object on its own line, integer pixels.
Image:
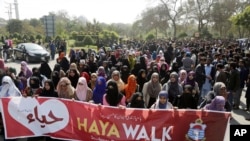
[
  {"x": 39, "y": 117},
  {"x": 196, "y": 131}
]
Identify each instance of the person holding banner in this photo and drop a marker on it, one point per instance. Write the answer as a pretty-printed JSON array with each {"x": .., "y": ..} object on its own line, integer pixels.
[
  {"x": 162, "y": 101},
  {"x": 9, "y": 88},
  {"x": 65, "y": 89},
  {"x": 217, "y": 104},
  {"x": 34, "y": 88},
  {"x": 83, "y": 92},
  {"x": 99, "y": 90},
  {"x": 49, "y": 89},
  {"x": 113, "y": 97},
  {"x": 136, "y": 101},
  {"x": 151, "y": 90}
]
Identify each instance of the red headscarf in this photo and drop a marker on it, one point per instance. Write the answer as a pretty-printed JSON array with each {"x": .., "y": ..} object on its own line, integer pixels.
[{"x": 86, "y": 76}]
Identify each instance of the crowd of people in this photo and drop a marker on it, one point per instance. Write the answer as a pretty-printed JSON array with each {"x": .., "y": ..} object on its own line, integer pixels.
[{"x": 162, "y": 74}]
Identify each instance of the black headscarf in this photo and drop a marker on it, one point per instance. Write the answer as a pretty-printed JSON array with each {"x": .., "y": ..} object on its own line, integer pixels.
[
  {"x": 140, "y": 80},
  {"x": 137, "y": 103},
  {"x": 36, "y": 83},
  {"x": 113, "y": 96},
  {"x": 45, "y": 69},
  {"x": 55, "y": 77},
  {"x": 51, "y": 92}
]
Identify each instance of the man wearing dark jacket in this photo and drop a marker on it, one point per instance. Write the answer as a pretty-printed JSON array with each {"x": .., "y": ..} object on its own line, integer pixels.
[
  {"x": 234, "y": 85},
  {"x": 200, "y": 73}
]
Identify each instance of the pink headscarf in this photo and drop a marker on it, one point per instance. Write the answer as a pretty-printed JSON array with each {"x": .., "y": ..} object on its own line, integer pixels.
[
  {"x": 81, "y": 89},
  {"x": 24, "y": 68}
]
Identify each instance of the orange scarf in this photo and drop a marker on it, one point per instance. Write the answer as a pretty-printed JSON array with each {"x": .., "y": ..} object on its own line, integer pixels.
[{"x": 130, "y": 87}]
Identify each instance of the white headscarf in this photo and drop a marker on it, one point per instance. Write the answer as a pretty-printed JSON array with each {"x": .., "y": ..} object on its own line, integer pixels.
[
  {"x": 9, "y": 88},
  {"x": 81, "y": 90}
]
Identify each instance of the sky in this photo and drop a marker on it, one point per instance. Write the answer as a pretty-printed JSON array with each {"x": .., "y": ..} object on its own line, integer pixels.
[{"x": 107, "y": 11}]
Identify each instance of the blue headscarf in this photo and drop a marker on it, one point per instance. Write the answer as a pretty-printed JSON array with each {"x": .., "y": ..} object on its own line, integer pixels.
[
  {"x": 163, "y": 94},
  {"x": 99, "y": 90}
]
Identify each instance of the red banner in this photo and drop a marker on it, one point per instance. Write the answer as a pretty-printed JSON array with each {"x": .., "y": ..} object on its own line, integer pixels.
[{"x": 73, "y": 120}]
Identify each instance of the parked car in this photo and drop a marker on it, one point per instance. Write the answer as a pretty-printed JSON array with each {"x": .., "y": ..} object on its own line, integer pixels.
[{"x": 31, "y": 52}]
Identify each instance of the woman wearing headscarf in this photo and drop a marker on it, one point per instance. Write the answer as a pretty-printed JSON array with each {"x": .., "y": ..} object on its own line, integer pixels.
[
  {"x": 86, "y": 76},
  {"x": 182, "y": 75},
  {"x": 113, "y": 97},
  {"x": 162, "y": 101},
  {"x": 141, "y": 79},
  {"x": 113, "y": 59},
  {"x": 101, "y": 72},
  {"x": 217, "y": 104},
  {"x": 152, "y": 69},
  {"x": 11, "y": 72},
  {"x": 117, "y": 78},
  {"x": 49, "y": 89},
  {"x": 36, "y": 72},
  {"x": 190, "y": 80},
  {"x": 73, "y": 77},
  {"x": 34, "y": 88},
  {"x": 8, "y": 88},
  {"x": 99, "y": 90},
  {"x": 24, "y": 74},
  {"x": 219, "y": 89},
  {"x": 92, "y": 81},
  {"x": 57, "y": 67},
  {"x": 163, "y": 70},
  {"x": 125, "y": 72},
  {"x": 136, "y": 68},
  {"x": 187, "y": 99},
  {"x": 45, "y": 69},
  {"x": 65, "y": 89},
  {"x": 151, "y": 90},
  {"x": 136, "y": 101},
  {"x": 130, "y": 87},
  {"x": 83, "y": 92},
  {"x": 55, "y": 77},
  {"x": 173, "y": 88},
  {"x": 143, "y": 63},
  {"x": 73, "y": 66}
]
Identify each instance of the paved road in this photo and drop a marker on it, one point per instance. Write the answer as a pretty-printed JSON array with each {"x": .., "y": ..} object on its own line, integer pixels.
[{"x": 238, "y": 116}]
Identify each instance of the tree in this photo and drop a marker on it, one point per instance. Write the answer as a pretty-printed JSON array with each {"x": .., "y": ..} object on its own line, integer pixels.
[
  {"x": 199, "y": 10},
  {"x": 242, "y": 19},
  {"x": 173, "y": 10},
  {"x": 35, "y": 22},
  {"x": 39, "y": 37},
  {"x": 88, "y": 40},
  {"x": 150, "y": 37},
  {"x": 14, "y": 25},
  {"x": 74, "y": 35},
  {"x": 221, "y": 12}
]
